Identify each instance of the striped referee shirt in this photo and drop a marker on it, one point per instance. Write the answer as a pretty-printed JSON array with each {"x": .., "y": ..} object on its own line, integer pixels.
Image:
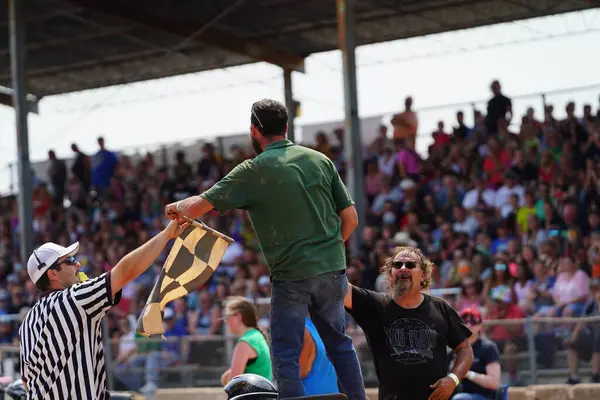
[{"x": 62, "y": 355}]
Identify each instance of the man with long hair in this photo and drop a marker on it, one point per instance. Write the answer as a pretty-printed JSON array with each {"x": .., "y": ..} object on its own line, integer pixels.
[{"x": 408, "y": 330}]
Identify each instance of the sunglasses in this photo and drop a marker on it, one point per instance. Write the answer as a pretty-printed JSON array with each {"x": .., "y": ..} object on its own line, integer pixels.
[
  {"x": 407, "y": 264},
  {"x": 256, "y": 116},
  {"x": 69, "y": 260}
]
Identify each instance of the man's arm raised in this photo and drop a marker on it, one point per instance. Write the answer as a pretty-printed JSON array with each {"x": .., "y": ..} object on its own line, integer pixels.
[{"x": 140, "y": 259}]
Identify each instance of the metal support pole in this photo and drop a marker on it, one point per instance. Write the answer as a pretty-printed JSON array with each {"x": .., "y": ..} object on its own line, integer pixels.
[
  {"x": 352, "y": 138},
  {"x": 12, "y": 178},
  {"x": 17, "y": 61},
  {"x": 529, "y": 328},
  {"x": 289, "y": 103}
]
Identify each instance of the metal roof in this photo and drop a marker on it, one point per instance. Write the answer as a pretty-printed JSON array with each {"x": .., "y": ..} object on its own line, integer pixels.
[{"x": 84, "y": 44}]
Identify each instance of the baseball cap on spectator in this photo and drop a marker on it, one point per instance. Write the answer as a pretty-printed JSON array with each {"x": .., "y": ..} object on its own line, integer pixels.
[
  {"x": 502, "y": 293},
  {"x": 407, "y": 184},
  {"x": 471, "y": 316},
  {"x": 46, "y": 256}
]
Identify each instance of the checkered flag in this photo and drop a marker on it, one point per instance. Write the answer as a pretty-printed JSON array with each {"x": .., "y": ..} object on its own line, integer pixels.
[{"x": 194, "y": 257}]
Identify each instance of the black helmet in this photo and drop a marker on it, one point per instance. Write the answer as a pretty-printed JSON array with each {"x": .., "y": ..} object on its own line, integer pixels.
[{"x": 250, "y": 387}]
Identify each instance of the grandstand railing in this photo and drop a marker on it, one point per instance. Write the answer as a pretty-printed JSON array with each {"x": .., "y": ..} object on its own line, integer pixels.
[{"x": 204, "y": 358}]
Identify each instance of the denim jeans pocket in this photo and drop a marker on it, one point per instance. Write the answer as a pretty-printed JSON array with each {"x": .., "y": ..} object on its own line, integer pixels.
[{"x": 340, "y": 284}]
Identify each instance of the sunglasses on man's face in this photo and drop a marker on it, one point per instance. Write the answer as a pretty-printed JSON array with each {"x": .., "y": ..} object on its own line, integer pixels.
[
  {"x": 69, "y": 261},
  {"x": 406, "y": 264}
]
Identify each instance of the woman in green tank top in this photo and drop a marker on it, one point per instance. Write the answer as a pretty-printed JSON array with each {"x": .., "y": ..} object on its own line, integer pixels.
[{"x": 251, "y": 354}]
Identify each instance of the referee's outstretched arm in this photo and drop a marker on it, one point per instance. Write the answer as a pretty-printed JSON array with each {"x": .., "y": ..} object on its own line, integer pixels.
[{"x": 140, "y": 259}]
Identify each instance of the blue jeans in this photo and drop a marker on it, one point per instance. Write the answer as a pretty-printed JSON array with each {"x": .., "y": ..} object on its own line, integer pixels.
[
  {"x": 323, "y": 297},
  {"x": 469, "y": 396}
]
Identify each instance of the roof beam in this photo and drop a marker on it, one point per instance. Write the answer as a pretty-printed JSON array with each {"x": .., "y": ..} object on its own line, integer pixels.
[
  {"x": 67, "y": 41},
  {"x": 184, "y": 29},
  {"x": 6, "y": 99}
]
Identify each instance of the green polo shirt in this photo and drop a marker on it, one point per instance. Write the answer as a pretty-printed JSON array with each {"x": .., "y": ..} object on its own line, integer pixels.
[{"x": 293, "y": 195}]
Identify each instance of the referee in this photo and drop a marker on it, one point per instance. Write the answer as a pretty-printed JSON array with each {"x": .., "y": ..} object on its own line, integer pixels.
[{"x": 62, "y": 355}]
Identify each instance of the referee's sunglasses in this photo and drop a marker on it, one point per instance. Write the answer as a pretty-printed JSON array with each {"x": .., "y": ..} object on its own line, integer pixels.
[{"x": 69, "y": 261}]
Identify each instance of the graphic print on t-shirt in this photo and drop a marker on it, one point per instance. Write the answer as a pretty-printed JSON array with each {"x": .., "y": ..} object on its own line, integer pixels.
[{"x": 413, "y": 341}]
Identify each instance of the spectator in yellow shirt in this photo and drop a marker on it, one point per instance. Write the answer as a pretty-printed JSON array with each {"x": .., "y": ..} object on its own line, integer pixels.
[{"x": 526, "y": 210}]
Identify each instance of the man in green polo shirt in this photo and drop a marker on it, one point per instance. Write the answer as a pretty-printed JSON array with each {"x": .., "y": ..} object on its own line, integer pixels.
[{"x": 302, "y": 214}]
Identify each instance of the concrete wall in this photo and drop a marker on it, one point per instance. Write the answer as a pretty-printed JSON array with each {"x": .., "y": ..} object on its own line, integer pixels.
[
  {"x": 556, "y": 392},
  {"x": 541, "y": 392}
]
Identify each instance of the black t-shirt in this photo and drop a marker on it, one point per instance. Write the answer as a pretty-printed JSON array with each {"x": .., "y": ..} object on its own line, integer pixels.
[
  {"x": 408, "y": 345},
  {"x": 528, "y": 172},
  {"x": 496, "y": 109},
  {"x": 485, "y": 352}
]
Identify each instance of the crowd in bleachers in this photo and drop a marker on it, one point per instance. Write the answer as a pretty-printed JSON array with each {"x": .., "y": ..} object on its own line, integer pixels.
[{"x": 508, "y": 210}]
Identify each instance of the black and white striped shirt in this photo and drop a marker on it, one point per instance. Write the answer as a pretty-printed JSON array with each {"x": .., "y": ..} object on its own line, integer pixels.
[{"x": 62, "y": 355}]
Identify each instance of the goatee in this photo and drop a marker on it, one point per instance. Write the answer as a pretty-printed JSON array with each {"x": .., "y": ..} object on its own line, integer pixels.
[
  {"x": 400, "y": 287},
  {"x": 256, "y": 146}
]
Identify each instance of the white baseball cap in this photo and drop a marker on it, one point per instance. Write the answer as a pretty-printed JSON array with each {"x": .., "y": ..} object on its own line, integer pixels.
[{"x": 46, "y": 256}]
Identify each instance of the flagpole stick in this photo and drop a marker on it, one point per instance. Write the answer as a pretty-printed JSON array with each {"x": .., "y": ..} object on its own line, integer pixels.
[{"x": 202, "y": 225}]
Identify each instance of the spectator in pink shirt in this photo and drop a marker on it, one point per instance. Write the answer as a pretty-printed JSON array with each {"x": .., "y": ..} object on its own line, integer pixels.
[
  {"x": 571, "y": 290},
  {"x": 409, "y": 162},
  {"x": 470, "y": 296},
  {"x": 373, "y": 181}
]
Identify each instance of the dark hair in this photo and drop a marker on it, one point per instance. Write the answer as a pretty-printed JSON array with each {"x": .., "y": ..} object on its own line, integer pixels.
[
  {"x": 43, "y": 284},
  {"x": 270, "y": 117}
]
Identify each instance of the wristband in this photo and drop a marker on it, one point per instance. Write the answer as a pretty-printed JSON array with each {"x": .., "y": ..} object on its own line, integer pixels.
[
  {"x": 177, "y": 206},
  {"x": 454, "y": 378},
  {"x": 470, "y": 375}
]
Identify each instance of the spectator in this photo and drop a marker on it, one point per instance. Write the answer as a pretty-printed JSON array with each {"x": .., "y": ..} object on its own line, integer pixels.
[
  {"x": 498, "y": 108},
  {"x": 150, "y": 356},
  {"x": 82, "y": 167},
  {"x": 104, "y": 166},
  {"x": 584, "y": 342},
  {"x": 57, "y": 175},
  {"x": 571, "y": 290},
  {"x": 470, "y": 297},
  {"x": 405, "y": 123},
  {"x": 540, "y": 298},
  {"x": 483, "y": 379},
  {"x": 510, "y": 339}
]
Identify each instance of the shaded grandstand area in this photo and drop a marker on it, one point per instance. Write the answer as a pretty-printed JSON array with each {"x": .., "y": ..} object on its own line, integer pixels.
[{"x": 84, "y": 44}]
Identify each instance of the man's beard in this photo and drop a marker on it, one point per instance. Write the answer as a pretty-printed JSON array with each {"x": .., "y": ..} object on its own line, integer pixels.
[
  {"x": 400, "y": 287},
  {"x": 256, "y": 146}
]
